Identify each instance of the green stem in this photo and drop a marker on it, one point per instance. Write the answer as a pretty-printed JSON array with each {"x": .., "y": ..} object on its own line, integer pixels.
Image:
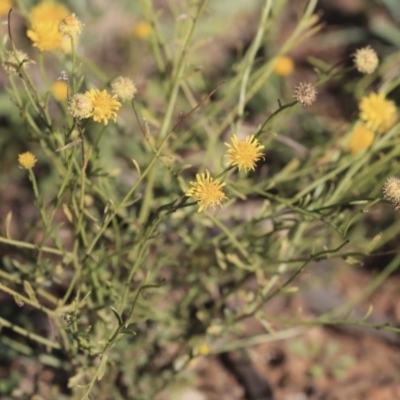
[{"x": 30, "y": 335}]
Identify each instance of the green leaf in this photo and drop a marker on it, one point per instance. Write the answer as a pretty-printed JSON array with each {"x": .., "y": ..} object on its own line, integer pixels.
[
  {"x": 374, "y": 242},
  {"x": 127, "y": 331},
  {"x": 119, "y": 318},
  {"x": 29, "y": 291},
  {"x": 7, "y": 223},
  {"x": 137, "y": 166},
  {"x": 353, "y": 261},
  {"x": 102, "y": 367}
]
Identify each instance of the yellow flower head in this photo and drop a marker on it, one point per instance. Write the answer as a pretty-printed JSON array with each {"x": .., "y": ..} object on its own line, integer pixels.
[
  {"x": 59, "y": 90},
  {"x": 14, "y": 61},
  {"x": 124, "y": 88},
  {"x": 366, "y": 60},
  {"x": 283, "y": 66},
  {"x": 207, "y": 191},
  {"x": 202, "y": 349},
  {"x": 105, "y": 106},
  {"x": 44, "y": 20},
  {"x": 48, "y": 10},
  {"x": 142, "y": 30},
  {"x": 5, "y": 6},
  {"x": 391, "y": 190},
  {"x": 80, "y": 106},
  {"x": 26, "y": 160},
  {"x": 305, "y": 94},
  {"x": 361, "y": 138},
  {"x": 70, "y": 26},
  {"x": 378, "y": 113},
  {"x": 244, "y": 154}
]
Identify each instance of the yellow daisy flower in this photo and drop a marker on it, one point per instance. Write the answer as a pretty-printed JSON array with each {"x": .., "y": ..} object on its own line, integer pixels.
[
  {"x": 59, "y": 90},
  {"x": 207, "y": 191},
  {"x": 244, "y": 154},
  {"x": 44, "y": 20},
  {"x": 378, "y": 113},
  {"x": 5, "y": 6},
  {"x": 202, "y": 349},
  {"x": 283, "y": 66},
  {"x": 26, "y": 160},
  {"x": 48, "y": 10},
  {"x": 361, "y": 139},
  {"x": 142, "y": 30},
  {"x": 105, "y": 106}
]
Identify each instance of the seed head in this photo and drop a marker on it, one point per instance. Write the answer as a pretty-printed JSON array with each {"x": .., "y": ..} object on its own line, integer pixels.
[
  {"x": 70, "y": 26},
  {"x": 366, "y": 60},
  {"x": 391, "y": 191},
  {"x": 124, "y": 88},
  {"x": 14, "y": 61},
  {"x": 305, "y": 94},
  {"x": 80, "y": 106}
]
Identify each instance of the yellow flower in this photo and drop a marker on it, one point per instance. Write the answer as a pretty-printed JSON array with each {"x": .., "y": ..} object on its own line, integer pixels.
[
  {"x": 70, "y": 26},
  {"x": 44, "y": 20},
  {"x": 105, "y": 106},
  {"x": 142, "y": 30},
  {"x": 5, "y": 6},
  {"x": 202, "y": 349},
  {"x": 361, "y": 139},
  {"x": 391, "y": 191},
  {"x": 207, "y": 191},
  {"x": 59, "y": 90},
  {"x": 378, "y": 113},
  {"x": 26, "y": 160},
  {"x": 48, "y": 11},
  {"x": 244, "y": 154},
  {"x": 14, "y": 61},
  {"x": 124, "y": 88},
  {"x": 80, "y": 106},
  {"x": 283, "y": 66}
]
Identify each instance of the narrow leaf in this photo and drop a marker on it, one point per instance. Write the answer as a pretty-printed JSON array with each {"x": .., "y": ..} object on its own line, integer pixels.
[
  {"x": 102, "y": 367},
  {"x": 127, "y": 331},
  {"x": 18, "y": 300},
  {"x": 29, "y": 291},
  {"x": 115, "y": 312},
  {"x": 374, "y": 242},
  {"x": 7, "y": 224},
  {"x": 69, "y": 145},
  {"x": 67, "y": 213},
  {"x": 137, "y": 167}
]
